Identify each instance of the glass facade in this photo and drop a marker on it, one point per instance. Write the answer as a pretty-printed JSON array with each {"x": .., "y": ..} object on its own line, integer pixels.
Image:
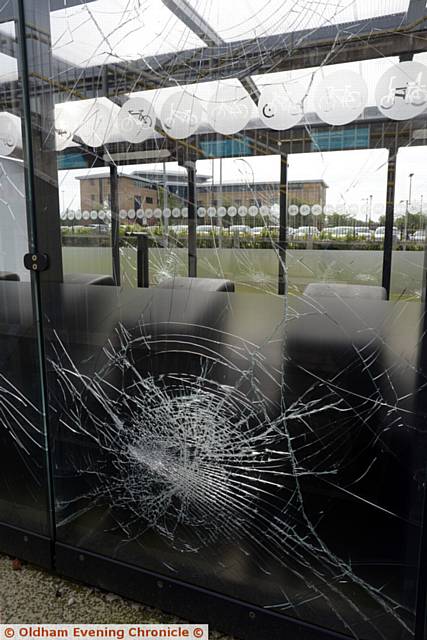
[{"x": 213, "y": 356}]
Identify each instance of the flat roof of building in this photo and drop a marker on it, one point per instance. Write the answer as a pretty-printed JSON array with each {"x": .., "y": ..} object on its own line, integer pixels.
[{"x": 144, "y": 177}]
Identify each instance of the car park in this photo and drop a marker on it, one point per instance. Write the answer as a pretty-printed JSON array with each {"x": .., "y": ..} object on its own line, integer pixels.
[{"x": 302, "y": 233}]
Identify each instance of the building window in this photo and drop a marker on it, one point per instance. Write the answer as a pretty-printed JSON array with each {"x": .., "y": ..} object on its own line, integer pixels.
[
  {"x": 149, "y": 200},
  {"x": 92, "y": 197}
]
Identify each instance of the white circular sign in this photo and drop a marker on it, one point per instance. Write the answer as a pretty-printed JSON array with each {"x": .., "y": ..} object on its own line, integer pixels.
[
  {"x": 148, "y": 213},
  {"x": 78, "y": 215},
  {"x": 131, "y": 214},
  {"x": 201, "y": 212},
  {"x": 96, "y": 123},
  {"x": 211, "y": 212},
  {"x": 341, "y": 97},
  {"x": 184, "y": 212},
  {"x": 293, "y": 210},
  {"x": 401, "y": 92},
  {"x": 70, "y": 215},
  {"x": 242, "y": 211},
  {"x": 139, "y": 213},
  {"x": 222, "y": 211},
  {"x": 280, "y": 106},
  {"x": 157, "y": 213},
  {"x": 181, "y": 115},
  {"x": 136, "y": 120},
  {"x": 253, "y": 211},
  {"x": 63, "y": 134},
  {"x": 123, "y": 214},
  {"x": 85, "y": 215},
  {"x": 63, "y": 216},
  {"x": 167, "y": 213},
  {"x": 316, "y": 210},
  {"x": 101, "y": 215},
  {"x": 232, "y": 212},
  {"x": 93, "y": 215},
  {"x": 304, "y": 209},
  {"x": 264, "y": 210},
  {"x": 229, "y": 109},
  {"x": 414, "y": 208},
  {"x": 176, "y": 212},
  {"x": 9, "y": 133},
  {"x": 401, "y": 207}
]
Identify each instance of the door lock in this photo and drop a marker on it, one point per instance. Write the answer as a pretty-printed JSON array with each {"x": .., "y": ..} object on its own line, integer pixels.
[{"x": 36, "y": 261}]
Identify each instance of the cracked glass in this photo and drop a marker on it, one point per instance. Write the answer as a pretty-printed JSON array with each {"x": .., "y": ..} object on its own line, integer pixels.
[{"x": 233, "y": 313}]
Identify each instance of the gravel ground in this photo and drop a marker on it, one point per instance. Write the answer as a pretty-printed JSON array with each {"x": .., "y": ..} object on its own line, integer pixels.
[{"x": 31, "y": 595}]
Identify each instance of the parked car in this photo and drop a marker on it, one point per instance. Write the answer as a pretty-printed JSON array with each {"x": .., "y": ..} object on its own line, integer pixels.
[
  {"x": 305, "y": 232},
  {"x": 419, "y": 236},
  {"x": 100, "y": 228},
  {"x": 258, "y": 231},
  {"x": 207, "y": 229},
  {"x": 341, "y": 233},
  {"x": 240, "y": 229},
  {"x": 178, "y": 228},
  {"x": 380, "y": 232},
  {"x": 271, "y": 230},
  {"x": 363, "y": 233}
]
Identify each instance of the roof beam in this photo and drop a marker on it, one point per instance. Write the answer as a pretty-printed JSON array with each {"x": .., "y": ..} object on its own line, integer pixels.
[
  {"x": 390, "y": 35},
  {"x": 8, "y": 10},
  {"x": 202, "y": 29}
]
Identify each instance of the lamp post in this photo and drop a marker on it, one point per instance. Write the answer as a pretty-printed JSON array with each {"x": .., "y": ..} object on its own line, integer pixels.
[
  {"x": 366, "y": 209},
  {"x": 165, "y": 206},
  {"x": 408, "y": 203}
]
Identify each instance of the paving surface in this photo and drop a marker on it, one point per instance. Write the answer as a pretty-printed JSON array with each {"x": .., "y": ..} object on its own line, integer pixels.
[{"x": 31, "y": 595}]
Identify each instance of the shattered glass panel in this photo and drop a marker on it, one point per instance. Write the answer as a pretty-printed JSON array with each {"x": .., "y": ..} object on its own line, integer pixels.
[{"x": 233, "y": 313}]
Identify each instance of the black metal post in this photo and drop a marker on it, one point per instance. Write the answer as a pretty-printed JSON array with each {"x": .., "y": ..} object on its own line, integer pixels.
[
  {"x": 192, "y": 218},
  {"x": 41, "y": 193},
  {"x": 115, "y": 236},
  {"x": 389, "y": 219},
  {"x": 283, "y": 223},
  {"x": 35, "y": 62},
  {"x": 142, "y": 260}
]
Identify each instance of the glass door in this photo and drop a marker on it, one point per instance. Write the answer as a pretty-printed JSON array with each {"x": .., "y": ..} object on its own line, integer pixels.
[{"x": 26, "y": 525}]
